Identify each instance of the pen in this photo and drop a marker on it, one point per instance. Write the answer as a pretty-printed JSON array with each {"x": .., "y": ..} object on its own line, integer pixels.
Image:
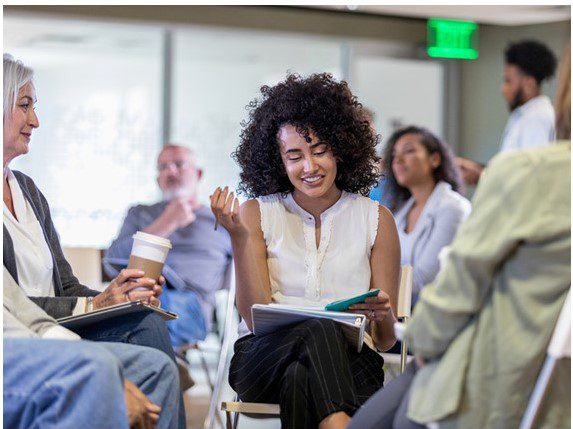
[{"x": 216, "y": 223}]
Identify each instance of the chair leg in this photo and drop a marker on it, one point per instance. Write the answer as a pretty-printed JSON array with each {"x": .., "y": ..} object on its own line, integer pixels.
[
  {"x": 219, "y": 419},
  {"x": 229, "y": 421},
  {"x": 236, "y": 421},
  {"x": 206, "y": 370},
  {"x": 403, "y": 357},
  {"x": 403, "y": 352}
]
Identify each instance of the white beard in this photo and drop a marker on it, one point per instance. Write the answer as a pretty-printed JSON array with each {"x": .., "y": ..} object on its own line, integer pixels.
[{"x": 171, "y": 194}]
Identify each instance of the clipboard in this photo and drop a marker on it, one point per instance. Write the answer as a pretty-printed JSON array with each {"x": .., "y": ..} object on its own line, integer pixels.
[{"x": 103, "y": 314}]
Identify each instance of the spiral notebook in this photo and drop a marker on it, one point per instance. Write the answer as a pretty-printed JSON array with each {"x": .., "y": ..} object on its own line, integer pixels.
[{"x": 272, "y": 317}]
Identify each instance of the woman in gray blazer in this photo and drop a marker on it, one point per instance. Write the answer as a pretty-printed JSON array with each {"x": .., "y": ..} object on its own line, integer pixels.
[{"x": 428, "y": 209}]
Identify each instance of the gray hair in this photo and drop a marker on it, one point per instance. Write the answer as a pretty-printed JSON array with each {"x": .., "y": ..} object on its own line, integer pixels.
[{"x": 16, "y": 75}]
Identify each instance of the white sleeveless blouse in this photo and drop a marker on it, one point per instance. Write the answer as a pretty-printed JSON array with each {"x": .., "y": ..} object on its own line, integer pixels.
[{"x": 302, "y": 274}]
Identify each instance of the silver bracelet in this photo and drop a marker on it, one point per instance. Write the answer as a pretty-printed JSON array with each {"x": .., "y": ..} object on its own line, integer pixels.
[{"x": 89, "y": 304}]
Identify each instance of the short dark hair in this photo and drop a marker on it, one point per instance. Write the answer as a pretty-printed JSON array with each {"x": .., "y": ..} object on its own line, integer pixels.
[
  {"x": 533, "y": 58},
  {"x": 447, "y": 171},
  {"x": 315, "y": 103}
]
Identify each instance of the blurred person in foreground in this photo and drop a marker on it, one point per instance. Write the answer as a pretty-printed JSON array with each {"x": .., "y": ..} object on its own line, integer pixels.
[
  {"x": 528, "y": 64},
  {"x": 52, "y": 378},
  {"x": 428, "y": 208},
  {"x": 480, "y": 332},
  {"x": 32, "y": 253},
  {"x": 196, "y": 265}
]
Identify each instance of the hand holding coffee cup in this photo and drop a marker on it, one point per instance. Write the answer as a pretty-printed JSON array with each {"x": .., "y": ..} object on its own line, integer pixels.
[
  {"x": 129, "y": 285},
  {"x": 148, "y": 254},
  {"x": 142, "y": 279}
]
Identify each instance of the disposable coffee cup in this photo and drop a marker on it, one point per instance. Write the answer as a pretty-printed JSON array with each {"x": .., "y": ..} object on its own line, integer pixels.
[{"x": 148, "y": 254}]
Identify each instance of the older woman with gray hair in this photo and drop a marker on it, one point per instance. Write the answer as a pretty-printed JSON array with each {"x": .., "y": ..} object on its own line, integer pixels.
[{"x": 33, "y": 255}]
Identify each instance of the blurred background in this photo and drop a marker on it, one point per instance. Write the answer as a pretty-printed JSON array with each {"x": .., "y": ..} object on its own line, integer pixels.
[{"x": 115, "y": 83}]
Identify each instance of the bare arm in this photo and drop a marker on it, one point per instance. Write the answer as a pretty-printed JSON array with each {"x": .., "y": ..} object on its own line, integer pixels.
[
  {"x": 385, "y": 268},
  {"x": 249, "y": 250},
  {"x": 250, "y": 253}
]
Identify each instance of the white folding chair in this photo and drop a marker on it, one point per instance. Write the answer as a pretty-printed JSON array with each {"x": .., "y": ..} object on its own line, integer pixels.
[
  {"x": 404, "y": 311},
  {"x": 559, "y": 347},
  {"x": 234, "y": 408},
  {"x": 202, "y": 348},
  {"x": 228, "y": 336}
]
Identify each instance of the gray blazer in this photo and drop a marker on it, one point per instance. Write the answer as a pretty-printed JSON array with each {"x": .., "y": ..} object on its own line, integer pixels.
[
  {"x": 436, "y": 228},
  {"x": 66, "y": 286}
]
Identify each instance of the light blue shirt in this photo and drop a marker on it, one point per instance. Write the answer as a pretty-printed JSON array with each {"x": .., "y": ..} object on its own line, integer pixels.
[{"x": 530, "y": 125}]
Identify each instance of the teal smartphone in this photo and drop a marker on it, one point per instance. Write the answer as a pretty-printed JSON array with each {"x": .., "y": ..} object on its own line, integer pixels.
[{"x": 343, "y": 304}]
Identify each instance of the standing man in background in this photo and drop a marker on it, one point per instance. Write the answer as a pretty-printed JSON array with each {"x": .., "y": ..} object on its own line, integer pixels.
[
  {"x": 195, "y": 267},
  {"x": 532, "y": 121}
]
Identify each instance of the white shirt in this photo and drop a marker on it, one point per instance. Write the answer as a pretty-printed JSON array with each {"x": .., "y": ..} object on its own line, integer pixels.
[
  {"x": 530, "y": 125},
  {"x": 304, "y": 275},
  {"x": 34, "y": 261},
  {"x": 33, "y": 257}
]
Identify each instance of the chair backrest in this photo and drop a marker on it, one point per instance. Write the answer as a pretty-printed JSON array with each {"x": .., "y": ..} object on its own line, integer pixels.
[
  {"x": 229, "y": 336},
  {"x": 405, "y": 292},
  {"x": 560, "y": 344},
  {"x": 559, "y": 347},
  {"x": 228, "y": 276}
]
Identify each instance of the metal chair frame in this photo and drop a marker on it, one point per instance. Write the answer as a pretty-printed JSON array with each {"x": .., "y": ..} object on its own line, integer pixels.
[{"x": 559, "y": 347}]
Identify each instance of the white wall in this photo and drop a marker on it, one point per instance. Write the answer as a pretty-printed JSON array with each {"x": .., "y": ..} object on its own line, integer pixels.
[{"x": 400, "y": 92}]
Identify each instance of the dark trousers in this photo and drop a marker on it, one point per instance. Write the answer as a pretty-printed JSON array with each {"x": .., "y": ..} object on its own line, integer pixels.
[
  {"x": 143, "y": 329},
  {"x": 388, "y": 408},
  {"x": 309, "y": 369}
]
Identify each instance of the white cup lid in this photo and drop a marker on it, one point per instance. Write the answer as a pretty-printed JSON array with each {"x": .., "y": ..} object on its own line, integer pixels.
[{"x": 154, "y": 239}]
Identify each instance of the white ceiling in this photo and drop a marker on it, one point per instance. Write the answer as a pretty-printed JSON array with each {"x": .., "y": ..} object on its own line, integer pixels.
[{"x": 499, "y": 15}]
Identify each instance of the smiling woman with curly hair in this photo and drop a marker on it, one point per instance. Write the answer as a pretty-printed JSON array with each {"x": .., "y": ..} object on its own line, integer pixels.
[
  {"x": 317, "y": 103},
  {"x": 309, "y": 237}
]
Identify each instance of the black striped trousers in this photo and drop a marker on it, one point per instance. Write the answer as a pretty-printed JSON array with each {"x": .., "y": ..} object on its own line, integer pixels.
[{"x": 309, "y": 369}]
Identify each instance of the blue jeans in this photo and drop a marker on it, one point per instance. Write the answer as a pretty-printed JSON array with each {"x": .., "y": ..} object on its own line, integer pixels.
[
  {"x": 70, "y": 384},
  {"x": 142, "y": 329},
  {"x": 58, "y": 384},
  {"x": 190, "y": 327},
  {"x": 155, "y": 374}
]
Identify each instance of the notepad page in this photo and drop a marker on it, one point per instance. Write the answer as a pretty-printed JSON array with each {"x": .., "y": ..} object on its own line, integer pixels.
[{"x": 270, "y": 318}]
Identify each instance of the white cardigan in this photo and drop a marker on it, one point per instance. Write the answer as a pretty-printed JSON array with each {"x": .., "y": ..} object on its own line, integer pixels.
[{"x": 441, "y": 217}]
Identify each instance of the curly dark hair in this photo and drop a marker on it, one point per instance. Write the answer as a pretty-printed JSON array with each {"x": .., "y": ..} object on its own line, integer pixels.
[
  {"x": 447, "y": 171},
  {"x": 533, "y": 58},
  {"x": 316, "y": 103}
]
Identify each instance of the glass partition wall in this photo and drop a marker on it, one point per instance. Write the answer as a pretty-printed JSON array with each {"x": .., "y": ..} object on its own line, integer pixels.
[{"x": 105, "y": 103}]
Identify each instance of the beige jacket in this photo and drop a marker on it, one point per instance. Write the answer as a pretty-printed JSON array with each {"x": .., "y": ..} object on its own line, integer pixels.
[{"x": 484, "y": 325}]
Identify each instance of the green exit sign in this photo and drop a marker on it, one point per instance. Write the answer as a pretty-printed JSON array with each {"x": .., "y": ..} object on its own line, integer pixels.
[{"x": 452, "y": 39}]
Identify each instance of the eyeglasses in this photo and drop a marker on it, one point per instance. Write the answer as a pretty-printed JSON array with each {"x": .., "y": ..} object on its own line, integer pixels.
[{"x": 179, "y": 165}]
